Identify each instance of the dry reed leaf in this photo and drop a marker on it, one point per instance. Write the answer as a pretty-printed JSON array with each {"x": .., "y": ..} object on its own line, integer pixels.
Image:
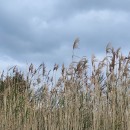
[
  {"x": 31, "y": 68},
  {"x": 117, "y": 52},
  {"x": 108, "y": 48},
  {"x": 56, "y": 66},
  {"x": 76, "y": 43}
]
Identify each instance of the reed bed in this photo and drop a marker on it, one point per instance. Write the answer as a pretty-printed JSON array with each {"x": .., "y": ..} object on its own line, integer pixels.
[{"x": 77, "y": 100}]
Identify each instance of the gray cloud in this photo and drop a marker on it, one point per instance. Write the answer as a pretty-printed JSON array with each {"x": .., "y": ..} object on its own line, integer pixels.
[{"x": 38, "y": 31}]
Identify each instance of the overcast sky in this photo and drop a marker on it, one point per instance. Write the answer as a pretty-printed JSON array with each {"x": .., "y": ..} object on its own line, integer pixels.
[{"x": 44, "y": 30}]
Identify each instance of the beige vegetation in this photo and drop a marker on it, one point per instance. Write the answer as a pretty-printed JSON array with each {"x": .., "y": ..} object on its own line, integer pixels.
[{"x": 78, "y": 100}]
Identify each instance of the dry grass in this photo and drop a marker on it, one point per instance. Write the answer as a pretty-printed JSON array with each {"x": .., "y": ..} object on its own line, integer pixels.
[{"x": 78, "y": 100}]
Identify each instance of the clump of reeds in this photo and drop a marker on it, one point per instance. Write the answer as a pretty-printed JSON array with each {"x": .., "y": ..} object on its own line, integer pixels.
[{"x": 78, "y": 100}]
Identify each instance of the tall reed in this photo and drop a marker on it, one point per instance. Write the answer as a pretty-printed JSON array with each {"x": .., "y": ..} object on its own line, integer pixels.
[{"x": 78, "y": 100}]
